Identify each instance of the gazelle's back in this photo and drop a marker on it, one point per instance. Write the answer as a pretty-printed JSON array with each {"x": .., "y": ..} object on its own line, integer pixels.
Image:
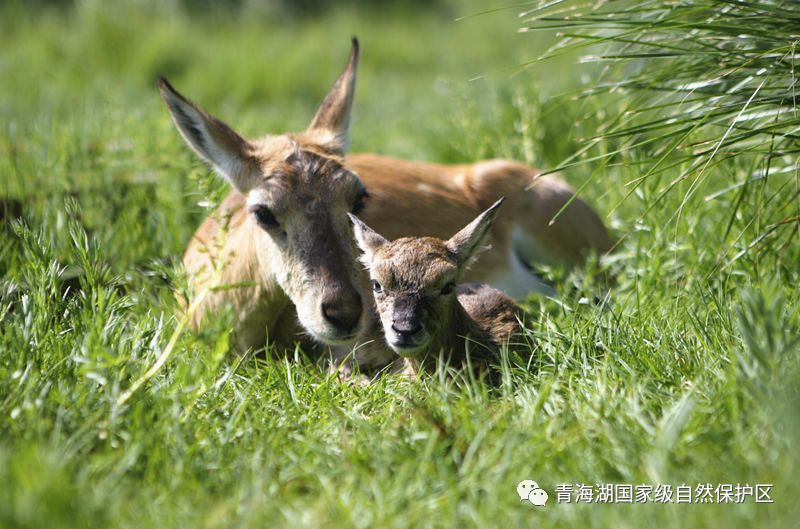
[{"x": 495, "y": 314}]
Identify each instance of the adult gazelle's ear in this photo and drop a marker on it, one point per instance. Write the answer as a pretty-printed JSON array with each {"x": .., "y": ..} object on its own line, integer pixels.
[
  {"x": 332, "y": 121},
  {"x": 367, "y": 239},
  {"x": 214, "y": 141},
  {"x": 469, "y": 242}
]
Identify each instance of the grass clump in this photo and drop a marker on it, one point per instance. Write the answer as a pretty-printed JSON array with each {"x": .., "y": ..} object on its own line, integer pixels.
[{"x": 706, "y": 90}]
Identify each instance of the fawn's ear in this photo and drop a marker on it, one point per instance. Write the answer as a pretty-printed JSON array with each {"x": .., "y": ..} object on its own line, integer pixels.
[
  {"x": 332, "y": 120},
  {"x": 469, "y": 242},
  {"x": 214, "y": 141},
  {"x": 367, "y": 239}
]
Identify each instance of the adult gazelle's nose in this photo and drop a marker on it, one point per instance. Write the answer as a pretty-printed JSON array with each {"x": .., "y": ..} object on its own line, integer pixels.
[{"x": 341, "y": 307}]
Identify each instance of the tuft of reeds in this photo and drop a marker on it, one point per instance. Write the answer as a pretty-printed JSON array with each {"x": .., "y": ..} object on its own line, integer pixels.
[{"x": 703, "y": 87}]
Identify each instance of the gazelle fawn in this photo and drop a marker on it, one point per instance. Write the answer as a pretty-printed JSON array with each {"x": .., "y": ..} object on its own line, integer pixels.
[
  {"x": 279, "y": 251},
  {"x": 425, "y": 311}
]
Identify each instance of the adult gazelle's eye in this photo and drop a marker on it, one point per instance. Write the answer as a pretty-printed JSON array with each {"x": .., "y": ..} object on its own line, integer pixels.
[
  {"x": 359, "y": 203},
  {"x": 448, "y": 289},
  {"x": 376, "y": 287},
  {"x": 264, "y": 217}
]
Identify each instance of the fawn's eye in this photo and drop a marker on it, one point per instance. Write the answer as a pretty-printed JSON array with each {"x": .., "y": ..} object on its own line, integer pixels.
[
  {"x": 447, "y": 289},
  {"x": 264, "y": 217},
  {"x": 359, "y": 203},
  {"x": 376, "y": 287}
]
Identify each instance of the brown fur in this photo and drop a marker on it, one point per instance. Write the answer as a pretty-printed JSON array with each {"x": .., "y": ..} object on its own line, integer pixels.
[{"x": 424, "y": 315}]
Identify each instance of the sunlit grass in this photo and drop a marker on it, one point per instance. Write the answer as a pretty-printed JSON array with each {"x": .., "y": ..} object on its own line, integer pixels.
[{"x": 686, "y": 372}]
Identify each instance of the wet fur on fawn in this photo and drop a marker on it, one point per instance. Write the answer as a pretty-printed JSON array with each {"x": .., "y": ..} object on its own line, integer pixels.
[{"x": 426, "y": 313}]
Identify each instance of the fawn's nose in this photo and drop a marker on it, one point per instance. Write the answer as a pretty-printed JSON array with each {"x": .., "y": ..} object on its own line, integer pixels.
[
  {"x": 342, "y": 310},
  {"x": 406, "y": 328}
]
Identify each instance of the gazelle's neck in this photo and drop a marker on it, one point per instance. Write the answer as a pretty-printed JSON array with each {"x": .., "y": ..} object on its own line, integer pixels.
[{"x": 452, "y": 335}]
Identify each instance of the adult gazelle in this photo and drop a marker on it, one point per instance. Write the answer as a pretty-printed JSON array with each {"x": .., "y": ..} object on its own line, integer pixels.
[{"x": 283, "y": 244}]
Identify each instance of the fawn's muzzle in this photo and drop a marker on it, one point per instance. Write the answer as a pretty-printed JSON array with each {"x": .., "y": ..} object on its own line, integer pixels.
[{"x": 406, "y": 326}]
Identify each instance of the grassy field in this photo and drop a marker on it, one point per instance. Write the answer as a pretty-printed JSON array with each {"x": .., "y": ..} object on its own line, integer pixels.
[{"x": 686, "y": 373}]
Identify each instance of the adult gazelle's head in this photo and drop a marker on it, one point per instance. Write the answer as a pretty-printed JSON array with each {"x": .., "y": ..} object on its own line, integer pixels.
[{"x": 298, "y": 196}]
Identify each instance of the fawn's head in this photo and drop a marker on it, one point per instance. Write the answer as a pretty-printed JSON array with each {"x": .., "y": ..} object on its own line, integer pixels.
[
  {"x": 414, "y": 279},
  {"x": 298, "y": 193}
]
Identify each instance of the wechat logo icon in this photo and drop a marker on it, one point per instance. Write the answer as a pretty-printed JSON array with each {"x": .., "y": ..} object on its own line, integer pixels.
[{"x": 529, "y": 490}]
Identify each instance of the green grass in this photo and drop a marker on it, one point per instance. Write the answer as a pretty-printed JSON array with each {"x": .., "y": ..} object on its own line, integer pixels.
[{"x": 687, "y": 372}]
